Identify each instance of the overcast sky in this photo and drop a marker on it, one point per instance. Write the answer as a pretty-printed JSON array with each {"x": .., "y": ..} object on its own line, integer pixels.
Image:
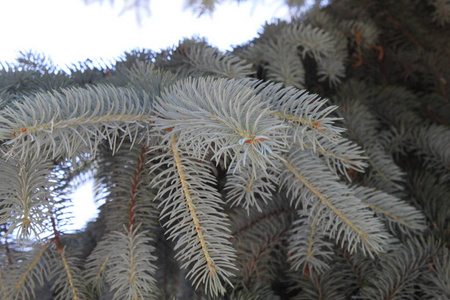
[{"x": 68, "y": 31}]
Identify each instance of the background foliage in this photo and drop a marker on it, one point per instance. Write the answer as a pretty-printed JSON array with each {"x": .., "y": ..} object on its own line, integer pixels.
[{"x": 312, "y": 162}]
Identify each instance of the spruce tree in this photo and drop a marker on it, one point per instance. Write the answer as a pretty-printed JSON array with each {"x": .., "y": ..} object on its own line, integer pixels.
[{"x": 312, "y": 162}]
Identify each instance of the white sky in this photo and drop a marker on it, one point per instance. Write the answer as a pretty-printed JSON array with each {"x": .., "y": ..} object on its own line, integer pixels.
[{"x": 68, "y": 31}]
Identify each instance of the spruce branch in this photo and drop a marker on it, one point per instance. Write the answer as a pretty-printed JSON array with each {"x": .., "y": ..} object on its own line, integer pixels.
[
  {"x": 126, "y": 177},
  {"x": 27, "y": 197},
  {"x": 341, "y": 155},
  {"x": 284, "y": 64},
  {"x": 308, "y": 249},
  {"x": 336, "y": 283},
  {"x": 67, "y": 123},
  {"x": 145, "y": 76},
  {"x": 197, "y": 58},
  {"x": 343, "y": 216},
  {"x": 436, "y": 282},
  {"x": 30, "y": 270},
  {"x": 331, "y": 70},
  {"x": 441, "y": 14},
  {"x": 431, "y": 142},
  {"x": 192, "y": 212},
  {"x": 400, "y": 276},
  {"x": 431, "y": 193},
  {"x": 363, "y": 127},
  {"x": 66, "y": 275},
  {"x": 363, "y": 34},
  {"x": 123, "y": 263},
  {"x": 306, "y": 114},
  {"x": 248, "y": 190},
  {"x": 222, "y": 117},
  {"x": 131, "y": 273},
  {"x": 312, "y": 40},
  {"x": 96, "y": 266},
  {"x": 211, "y": 61},
  {"x": 384, "y": 174},
  {"x": 397, "y": 212},
  {"x": 260, "y": 237}
]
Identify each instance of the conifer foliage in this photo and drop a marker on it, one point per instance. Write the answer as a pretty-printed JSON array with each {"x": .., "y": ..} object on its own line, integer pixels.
[{"x": 312, "y": 162}]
